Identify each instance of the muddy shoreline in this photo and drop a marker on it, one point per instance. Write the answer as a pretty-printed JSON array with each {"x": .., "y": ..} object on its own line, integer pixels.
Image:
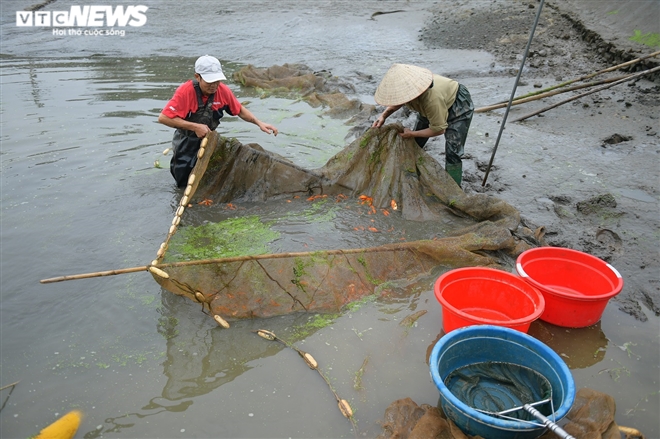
[{"x": 610, "y": 219}]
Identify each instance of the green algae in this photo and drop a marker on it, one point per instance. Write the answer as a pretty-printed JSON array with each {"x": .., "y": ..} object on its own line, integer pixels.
[
  {"x": 298, "y": 273},
  {"x": 355, "y": 305},
  {"x": 370, "y": 278},
  {"x": 647, "y": 39},
  {"x": 318, "y": 212},
  {"x": 320, "y": 321},
  {"x": 232, "y": 237},
  {"x": 313, "y": 324}
]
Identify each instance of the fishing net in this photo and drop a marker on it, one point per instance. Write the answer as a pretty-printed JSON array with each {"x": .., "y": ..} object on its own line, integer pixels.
[
  {"x": 379, "y": 164},
  {"x": 297, "y": 80},
  {"x": 501, "y": 389},
  {"x": 404, "y": 419},
  {"x": 381, "y": 213},
  {"x": 592, "y": 416},
  {"x": 394, "y": 173}
]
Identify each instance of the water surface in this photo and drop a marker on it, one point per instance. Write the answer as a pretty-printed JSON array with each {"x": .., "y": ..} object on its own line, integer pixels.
[{"x": 80, "y": 193}]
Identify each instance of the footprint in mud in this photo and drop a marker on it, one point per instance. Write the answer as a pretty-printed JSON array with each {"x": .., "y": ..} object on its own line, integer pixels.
[
  {"x": 607, "y": 244},
  {"x": 614, "y": 139},
  {"x": 610, "y": 240}
]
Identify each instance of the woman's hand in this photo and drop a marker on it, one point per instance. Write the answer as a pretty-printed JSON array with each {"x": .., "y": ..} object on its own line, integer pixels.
[
  {"x": 378, "y": 122},
  {"x": 387, "y": 113}
]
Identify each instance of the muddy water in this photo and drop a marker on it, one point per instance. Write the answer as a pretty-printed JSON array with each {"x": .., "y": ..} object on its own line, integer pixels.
[{"x": 80, "y": 193}]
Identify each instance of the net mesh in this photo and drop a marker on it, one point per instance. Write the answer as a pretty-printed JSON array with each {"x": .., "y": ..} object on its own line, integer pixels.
[{"x": 497, "y": 388}]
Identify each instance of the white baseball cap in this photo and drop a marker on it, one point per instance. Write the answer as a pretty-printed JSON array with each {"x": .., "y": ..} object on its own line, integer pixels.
[{"x": 209, "y": 68}]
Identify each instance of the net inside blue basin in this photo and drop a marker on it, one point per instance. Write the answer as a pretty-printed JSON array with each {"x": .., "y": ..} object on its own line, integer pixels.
[
  {"x": 501, "y": 389},
  {"x": 519, "y": 370}
]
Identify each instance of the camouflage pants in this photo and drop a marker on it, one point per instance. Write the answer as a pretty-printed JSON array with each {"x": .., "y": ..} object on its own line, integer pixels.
[{"x": 459, "y": 119}]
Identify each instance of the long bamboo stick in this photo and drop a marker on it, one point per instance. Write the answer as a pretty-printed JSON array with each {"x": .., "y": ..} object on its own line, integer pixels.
[
  {"x": 513, "y": 92},
  {"x": 548, "y": 94},
  {"x": 221, "y": 260},
  {"x": 95, "y": 274},
  {"x": 581, "y": 78},
  {"x": 9, "y": 385},
  {"x": 627, "y": 78}
]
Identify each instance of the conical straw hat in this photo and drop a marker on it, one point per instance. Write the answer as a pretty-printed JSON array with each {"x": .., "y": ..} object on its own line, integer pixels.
[{"x": 402, "y": 83}]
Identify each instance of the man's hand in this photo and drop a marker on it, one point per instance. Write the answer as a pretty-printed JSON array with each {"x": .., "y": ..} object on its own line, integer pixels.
[
  {"x": 268, "y": 128},
  {"x": 407, "y": 134},
  {"x": 247, "y": 116},
  {"x": 201, "y": 130}
]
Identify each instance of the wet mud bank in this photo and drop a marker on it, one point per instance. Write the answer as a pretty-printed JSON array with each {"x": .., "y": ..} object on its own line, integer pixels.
[
  {"x": 564, "y": 45},
  {"x": 612, "y": 54},
  {"x": 619, "y": 51},
  {"x": 588, "y": 171}
]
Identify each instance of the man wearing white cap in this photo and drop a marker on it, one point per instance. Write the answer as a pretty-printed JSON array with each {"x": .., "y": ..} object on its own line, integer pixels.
[
  {"x": 196, "y": 109},
  {"x": 443, "y": 105}
]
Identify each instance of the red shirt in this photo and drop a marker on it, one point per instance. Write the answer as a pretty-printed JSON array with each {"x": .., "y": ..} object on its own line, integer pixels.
[{"x": 184, "y": 101}]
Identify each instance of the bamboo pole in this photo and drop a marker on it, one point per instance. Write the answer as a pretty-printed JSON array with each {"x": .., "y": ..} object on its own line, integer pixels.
[
  {"x": 519, "y": 101},
  {"x": 582, "y": 78},
  {"x": 221, "y": 261},
  {"x": 9, "y": 385},
  {"x": 627, "y": 78},
  {"x": 513, "y": 92},
  {"x": 95, "y": 274}
]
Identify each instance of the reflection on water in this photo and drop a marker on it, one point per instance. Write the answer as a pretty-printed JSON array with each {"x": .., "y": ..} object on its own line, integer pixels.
[
  {"x": 199, "y": 358},
  {"x": 578, "y": 347}
]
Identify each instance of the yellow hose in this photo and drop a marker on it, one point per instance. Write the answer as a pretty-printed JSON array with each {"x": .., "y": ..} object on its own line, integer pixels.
[{"x": 63, "y": 428}]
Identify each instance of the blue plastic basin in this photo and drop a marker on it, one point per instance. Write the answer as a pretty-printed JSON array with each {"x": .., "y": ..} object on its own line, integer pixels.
[{"x": 487, "y": 343}]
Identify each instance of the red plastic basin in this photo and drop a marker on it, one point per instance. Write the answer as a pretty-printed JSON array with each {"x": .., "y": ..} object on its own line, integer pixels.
[
  {"x": 576, "y": 286},
  {"x": 485, "y": 296}
]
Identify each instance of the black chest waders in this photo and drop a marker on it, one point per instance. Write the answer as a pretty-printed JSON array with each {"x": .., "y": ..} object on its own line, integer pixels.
[{"x": 185, "y": 143}]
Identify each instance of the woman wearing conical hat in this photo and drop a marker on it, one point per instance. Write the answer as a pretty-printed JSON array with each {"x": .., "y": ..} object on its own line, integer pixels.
[{"x": 443, "y": 105}]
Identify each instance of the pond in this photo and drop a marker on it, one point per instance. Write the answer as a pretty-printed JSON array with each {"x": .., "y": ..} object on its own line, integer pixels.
[{"x": 81, "y": 192}]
